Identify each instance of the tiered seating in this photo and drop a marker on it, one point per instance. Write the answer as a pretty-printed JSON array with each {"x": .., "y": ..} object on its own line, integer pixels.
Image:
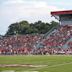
[
  {"x": 18, "y": 44},
  {"x": 59, "y": 38},
  {"x": 28, "y": 44}
]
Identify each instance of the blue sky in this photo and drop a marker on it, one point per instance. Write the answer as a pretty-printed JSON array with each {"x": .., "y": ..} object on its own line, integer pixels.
[{"x": 32, "y": 10}]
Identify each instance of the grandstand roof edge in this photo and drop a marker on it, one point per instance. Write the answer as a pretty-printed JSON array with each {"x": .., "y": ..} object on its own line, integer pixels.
[{"x": 61, "y": 12}]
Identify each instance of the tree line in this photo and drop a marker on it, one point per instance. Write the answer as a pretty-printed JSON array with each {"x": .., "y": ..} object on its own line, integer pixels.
[{"x": 24, "y": 27}]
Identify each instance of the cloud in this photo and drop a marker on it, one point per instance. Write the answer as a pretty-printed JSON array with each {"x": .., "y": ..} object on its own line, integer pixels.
[
  {"x": 16, "y": 10},
  {"x": 13, "y": 1},
  {"x": 27, "y": 8}
]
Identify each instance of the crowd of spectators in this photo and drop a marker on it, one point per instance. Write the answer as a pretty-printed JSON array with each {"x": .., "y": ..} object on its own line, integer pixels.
[
  {"x": 59, "y": 37},
  {"x": 18, "y": 44},
  {"x": 27, "y": 44}
]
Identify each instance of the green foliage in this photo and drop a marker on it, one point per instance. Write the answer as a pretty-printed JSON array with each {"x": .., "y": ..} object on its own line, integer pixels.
[{"x": 24, "y": 27}]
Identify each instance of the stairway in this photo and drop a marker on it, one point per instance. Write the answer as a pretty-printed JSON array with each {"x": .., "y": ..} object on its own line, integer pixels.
[
  {"x": 66, "y": 44},
  {"x": 39, "y": 44}
]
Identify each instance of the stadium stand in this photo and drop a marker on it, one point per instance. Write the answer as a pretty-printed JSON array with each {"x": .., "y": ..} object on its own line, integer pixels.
[
  {"x": 56, "y": 41},
  {"x": 26, "y": 44}
]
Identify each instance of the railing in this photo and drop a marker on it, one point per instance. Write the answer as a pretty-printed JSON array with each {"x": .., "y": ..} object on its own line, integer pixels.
[
  {"x": 50, "y": 31},
  {"x": 66, "y": 43}
]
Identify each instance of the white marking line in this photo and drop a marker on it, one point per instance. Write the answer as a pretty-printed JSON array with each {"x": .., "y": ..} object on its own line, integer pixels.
[
  {"x": 52, "y": 66},
  {"x": 60, "y": 64},
  {"x": 21, "y": 65},
  {"x": 8, "y": 71}
]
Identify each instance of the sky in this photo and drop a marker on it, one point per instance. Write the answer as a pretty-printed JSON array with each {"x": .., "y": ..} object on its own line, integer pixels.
[{"x": 12, "y": 11}]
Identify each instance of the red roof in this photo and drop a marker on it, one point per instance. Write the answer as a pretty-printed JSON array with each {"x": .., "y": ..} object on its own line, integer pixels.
[{"x": 61, "y": 12}]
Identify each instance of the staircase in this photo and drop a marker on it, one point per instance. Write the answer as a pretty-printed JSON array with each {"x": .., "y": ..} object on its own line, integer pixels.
[
  {"x": 51, "y": 31},
  {"x": 39, "y": 44},
  {"x": 66, "y": 44}
]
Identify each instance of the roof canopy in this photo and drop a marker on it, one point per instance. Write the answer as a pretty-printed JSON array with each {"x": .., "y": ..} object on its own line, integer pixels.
[{"x": 61, "y": 12}]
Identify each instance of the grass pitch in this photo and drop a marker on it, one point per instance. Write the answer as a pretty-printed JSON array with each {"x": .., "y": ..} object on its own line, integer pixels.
[{"x": 54, "y": 63}]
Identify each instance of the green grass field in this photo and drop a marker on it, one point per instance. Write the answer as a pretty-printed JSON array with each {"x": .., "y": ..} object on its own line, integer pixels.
[{"x": 54, "y": 63}]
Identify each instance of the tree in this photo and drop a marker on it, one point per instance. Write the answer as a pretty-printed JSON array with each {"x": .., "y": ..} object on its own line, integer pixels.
[
  {"x": 24, "y": 27},
  {"x": 54, "y": 24}
]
